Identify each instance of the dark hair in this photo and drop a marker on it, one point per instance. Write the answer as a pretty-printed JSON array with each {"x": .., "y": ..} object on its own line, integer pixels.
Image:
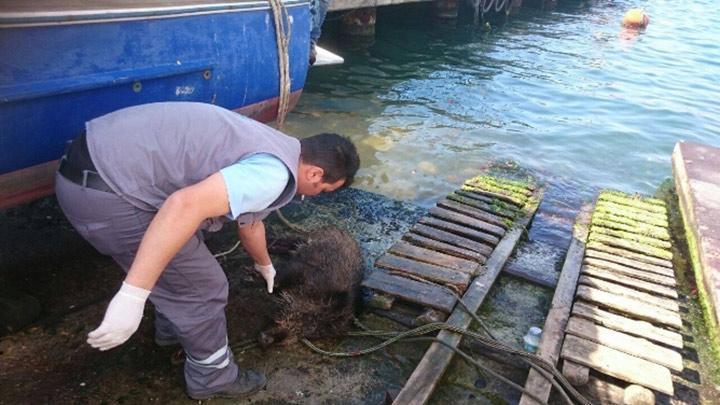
[{"x": 335, "y": 154}]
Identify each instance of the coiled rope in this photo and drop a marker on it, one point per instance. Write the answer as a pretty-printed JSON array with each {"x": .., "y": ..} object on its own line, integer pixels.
[{"x": 282, "y": 35}]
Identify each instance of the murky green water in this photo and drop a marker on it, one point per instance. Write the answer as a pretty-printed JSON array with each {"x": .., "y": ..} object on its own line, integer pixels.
[{"x": 564, "y": 92}]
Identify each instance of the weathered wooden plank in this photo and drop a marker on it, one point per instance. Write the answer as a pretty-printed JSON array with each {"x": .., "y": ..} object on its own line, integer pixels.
[
  {"x": 475, "y": 213},
  {"x": 625, "y": 343},
  {"x": 630, "y": 281},
  {"x": 598, "y": 246},
  {"x": 507, "y": 197},
  {"x": 633, "y": 201},
  {"x": 607, "y": 264},
  {"x": 465, "y": 199},
  {"x": 633, "y": 307},
  {"x": 506, "y": 185},
  {"x": 466, "y": 220},
  {"x": 424, "y": 379},
  {"x": 403, "y": 248},
  {"x": 577, "y": 374},
  {"x": 639, "y": 274},
  {"x": 604, "y": 392},
  {"x": 618, "y": 289},
  {"x": 618, "y": 364},
  {"x": 630, "y": 225},
  {"x": 631, "y": 245},
  {"x": 631, "y": 326},
  {"x": 635, "y": 237},
  {"x": 595, "y": 254},
  {"x": 426, "y": 294},
  {"x": 451, "y": 238},
  {"x": 444, "y": 247},
  {"x": 638, "y": 395},
  {"x": 430, "y": 272},
  {"x": 554, "y": 328},
  {"x": 461, "y": 230}
]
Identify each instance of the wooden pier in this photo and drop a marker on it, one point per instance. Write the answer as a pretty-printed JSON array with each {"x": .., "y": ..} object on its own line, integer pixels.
[
  {"x": 619, "y": 340},
  {"x": 458, "y": 249}
]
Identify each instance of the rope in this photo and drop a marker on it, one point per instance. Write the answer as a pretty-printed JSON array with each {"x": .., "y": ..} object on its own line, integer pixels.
[
  {"x": 545, "y": 368},
  {"x": 282, "y": 35}
]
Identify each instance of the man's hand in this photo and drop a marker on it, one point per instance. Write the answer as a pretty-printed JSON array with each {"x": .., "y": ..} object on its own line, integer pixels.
[
  {"x": 122, "y": 318},
  {"x": 268, "y": 273}
]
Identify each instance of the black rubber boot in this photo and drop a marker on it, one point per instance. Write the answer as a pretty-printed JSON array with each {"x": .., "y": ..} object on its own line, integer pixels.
[{"x": 247, "y": 383}]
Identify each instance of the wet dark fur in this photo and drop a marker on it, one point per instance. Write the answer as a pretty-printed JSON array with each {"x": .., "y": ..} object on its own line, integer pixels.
[{"x": 319, "y": 288}]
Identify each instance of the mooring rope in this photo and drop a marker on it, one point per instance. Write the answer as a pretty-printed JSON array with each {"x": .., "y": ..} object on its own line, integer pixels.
[
  {"x": 542, "y": 366},
  {"x": 282, "y": 35}
]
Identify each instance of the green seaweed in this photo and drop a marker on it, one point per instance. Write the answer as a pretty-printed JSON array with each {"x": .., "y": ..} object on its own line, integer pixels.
[
  {"x": 495, "y": 208},
  {"x": 634, "y": 214},
  {"x": 631, "y": 245},
  {"x": 630, "y": 225},
  {"x": 649, "y": 200},
  {"x": 516, "y": 199},
  {"x": 634, "y": 202},
  {"x": 509, "y": 185},
  {"x": 631, "y": 236}
]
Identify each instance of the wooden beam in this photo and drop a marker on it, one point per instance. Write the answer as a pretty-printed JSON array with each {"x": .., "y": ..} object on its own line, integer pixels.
[
  {"x": 429, "y": 272},
  {"x": 606, "y": 264},
  {"x": 426, "y": 294},
  {"x": 339, "y": 5},
  {"x": 639, "y": 274},
  {"x": 632, "y": 326},
  {"x": 596, "y": 254},
  {"x": 618, "y": 364},
  {"x": 554, "y": 328},
  {"x": 403, "y": 248},
  {"x": 473, "y": 212},
  {"x": 451, "y": 238},
  {"x": 464, "y": 231},
  {"x": 670, "y": 305},
  {"x": 625, "y": 343},
  {"x": 632, "y": 307},
  {"x": 443, "y": 247},
  {"x": 577, "y": 374},
  {"x": 631, "y": 282},
  {"x": 601, "y": 247},
  {"x": 466, "y": 220},
  {"x": 428, "y": 372}
]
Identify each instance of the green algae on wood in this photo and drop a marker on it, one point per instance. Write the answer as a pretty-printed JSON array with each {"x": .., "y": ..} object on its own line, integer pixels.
[
  {"x": 634, "y": 214},
  {"x": 493, "y": 208},
  {"x": 632, "y": 202},
  {"x": 632, "y": 237},
  {"x": 511, "y": 186},
  {"x": 648, "y": 200},
  {"x": 497, "y": 193},
  {"x": 630, "y": 225},
  {"x": 630, "y": 245}
]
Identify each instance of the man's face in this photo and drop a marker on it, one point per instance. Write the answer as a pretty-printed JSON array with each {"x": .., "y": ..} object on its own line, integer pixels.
[
  {"x": 310, "y": 181},
  {"x": 314, "y": 188}
]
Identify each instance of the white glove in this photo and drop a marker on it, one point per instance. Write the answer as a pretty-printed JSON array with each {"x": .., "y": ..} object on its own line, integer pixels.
[
  {"x": 122, "y": 318},
  {"x": 268, "y": 273}
]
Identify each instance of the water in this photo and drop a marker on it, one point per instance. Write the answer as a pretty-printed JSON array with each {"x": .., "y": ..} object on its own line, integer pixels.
[{"x": 566, "y": 93}]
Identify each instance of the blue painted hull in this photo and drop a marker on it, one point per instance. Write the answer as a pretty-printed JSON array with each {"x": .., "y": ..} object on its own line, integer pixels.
[{"x": 54, "y": 78}]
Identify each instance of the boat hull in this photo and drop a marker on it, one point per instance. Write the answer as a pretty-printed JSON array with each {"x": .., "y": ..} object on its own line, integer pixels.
[{"x": 56, "y": 76}]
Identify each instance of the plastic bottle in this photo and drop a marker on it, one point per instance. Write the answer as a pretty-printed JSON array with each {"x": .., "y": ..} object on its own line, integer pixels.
[{"x": 531, "y": 340}]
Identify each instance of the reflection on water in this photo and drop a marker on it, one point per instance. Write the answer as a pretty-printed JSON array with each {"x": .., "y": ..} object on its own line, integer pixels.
[{"x": 565, "y": 93}]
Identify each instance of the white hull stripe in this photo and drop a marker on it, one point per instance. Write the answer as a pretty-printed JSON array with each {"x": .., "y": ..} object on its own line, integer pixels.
[{"x": 43, "y": 18}]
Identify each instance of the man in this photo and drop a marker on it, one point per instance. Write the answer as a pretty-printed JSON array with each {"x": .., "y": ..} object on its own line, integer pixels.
[{"x": 143, "y": 182}]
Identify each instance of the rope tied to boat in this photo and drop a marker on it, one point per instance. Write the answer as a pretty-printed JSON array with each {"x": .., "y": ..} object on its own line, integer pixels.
[{"x": 283, "y": 29}]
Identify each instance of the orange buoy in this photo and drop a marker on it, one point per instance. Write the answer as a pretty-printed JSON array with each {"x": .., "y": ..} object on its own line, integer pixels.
[{"x": 635, "y": 18}]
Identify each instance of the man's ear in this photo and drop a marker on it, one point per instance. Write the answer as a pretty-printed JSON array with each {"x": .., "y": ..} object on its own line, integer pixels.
[{"x": 315, "y": 173}]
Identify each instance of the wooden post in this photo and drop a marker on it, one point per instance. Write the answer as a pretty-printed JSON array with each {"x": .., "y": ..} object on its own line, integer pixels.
[
  {"x": 554, "y": 329},
  {"x": 446, "y": 9},
  {"x": 360, "y": 22}
]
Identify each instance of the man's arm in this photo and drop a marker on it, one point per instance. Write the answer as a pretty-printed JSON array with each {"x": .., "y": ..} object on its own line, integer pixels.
[
  {"x": 253, "y": 240},
  {"x": 176, "y": 221}
]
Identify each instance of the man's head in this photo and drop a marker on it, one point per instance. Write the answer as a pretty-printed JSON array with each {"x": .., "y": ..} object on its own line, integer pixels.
[{"x": 327, "y": 162}]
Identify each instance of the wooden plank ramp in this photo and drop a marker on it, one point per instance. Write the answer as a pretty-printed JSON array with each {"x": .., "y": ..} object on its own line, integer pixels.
[
  {"x": 622, "y": 336},
  {"x": 457, "y": 249}
]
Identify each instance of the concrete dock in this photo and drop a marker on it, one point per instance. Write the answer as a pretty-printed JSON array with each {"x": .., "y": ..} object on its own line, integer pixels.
[{"x": 696, "y": 169}]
